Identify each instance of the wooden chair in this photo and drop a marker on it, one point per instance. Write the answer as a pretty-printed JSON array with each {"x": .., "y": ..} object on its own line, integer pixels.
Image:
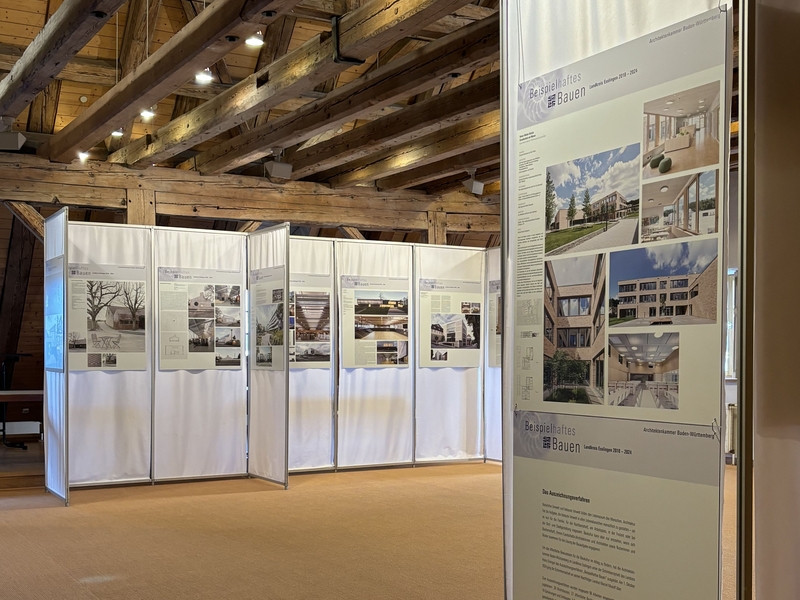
[{"x": 96, "y": 343}]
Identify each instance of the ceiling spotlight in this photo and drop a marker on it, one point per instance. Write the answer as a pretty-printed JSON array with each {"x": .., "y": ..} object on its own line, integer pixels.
[
  {"x": 674, "y": 347},
  {"x": 83, "y": 155},
  {"x": 276, "y": 169},
  {"x": 664, "y": 188},
  {"x": 255, "y": 40},
  {"x": 651, "y": 200},
  {"x": 702, "y": 100},
  {"x": 204, "y": 76},
  {"x": 148, "y": 113},
  {"x": 473, "y": 185},
  {"x": 117, "y": 133}
]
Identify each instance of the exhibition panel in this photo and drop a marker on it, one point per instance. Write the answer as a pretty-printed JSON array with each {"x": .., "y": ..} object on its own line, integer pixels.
[
  {"x": 376, "y": 385},
  {"x": 200, "y": 393},
  {"x": 450, "y": 308},
  {"x": 614, "y": 209},
  {"x": 493, "y": 373},
  {"x": 268, "y": 266},
  {"x": 56, "y": 396},
  {"x": 109, "y": 352},
  {"x": 313, "y": 335}
]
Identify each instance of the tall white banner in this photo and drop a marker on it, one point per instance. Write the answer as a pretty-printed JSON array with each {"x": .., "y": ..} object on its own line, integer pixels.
[{"x": 618, "y": 312}]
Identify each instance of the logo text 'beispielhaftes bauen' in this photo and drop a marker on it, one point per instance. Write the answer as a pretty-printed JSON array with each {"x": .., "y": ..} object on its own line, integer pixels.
[{"x": 556, "y": 91}]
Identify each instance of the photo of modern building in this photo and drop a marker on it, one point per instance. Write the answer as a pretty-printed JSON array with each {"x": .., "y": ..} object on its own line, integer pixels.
[
  {"x": 643, "y": 370},
  {"x": 313, "y": 316},
  {"x": 668, "y": 284},
  {"x": 681, "y": 131},
  {"x": 591, "y": 202},
  {"x": 683, "y": 206},
  {"x": 455, "y": 330},
  {"x": 381, "y": 328},
  {"x": 574, "y": 330},
  {"x": 381, "y": 303}
]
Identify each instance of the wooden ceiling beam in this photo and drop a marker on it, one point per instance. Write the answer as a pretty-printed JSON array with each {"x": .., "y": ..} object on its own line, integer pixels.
[
  {"x": 458, "y": 104},
  {"x": 480, "y": 156},
  {"x": 362, "y": 33},
  {"x": 462, "y": 50},
  {"x": 449, "y": 142},
  {"x": 487, "y": 174},
  {"x": 351, "y": 233},
  {"x": 221, "y": 27},
  {"x": 63, "y": 35},
  {"x": 29, "y": 217}
]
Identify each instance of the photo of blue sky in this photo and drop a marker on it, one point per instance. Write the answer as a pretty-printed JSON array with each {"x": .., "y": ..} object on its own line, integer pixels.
[
  {"x": 685, "y": 258},
  {"x": 611, "y": 171}
]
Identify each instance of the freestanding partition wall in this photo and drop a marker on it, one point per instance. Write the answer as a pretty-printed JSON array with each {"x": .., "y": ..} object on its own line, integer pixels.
[
  {"x": 376, "y": 403},
  {"x": 493, "y": 372},
  {"x": 110, "y": 413},
  {"x": 268, "y": 266},
  {"x": 311, "y": 376},
  {"x": 449, "y": 406},
  {"x": 56, "y": 413},
  {"x": 199, "y": 414}
]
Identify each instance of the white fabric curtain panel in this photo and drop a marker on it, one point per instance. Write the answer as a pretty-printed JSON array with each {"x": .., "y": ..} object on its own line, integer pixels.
[
  {"x": 449, "y": 422},
  {"x": 110, "y": 412},
  {"x": 375, "y": 425},
  {"x": 200, "y": 417}
]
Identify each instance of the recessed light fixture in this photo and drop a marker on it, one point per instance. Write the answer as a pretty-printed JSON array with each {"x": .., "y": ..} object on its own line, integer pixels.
[
  {"x": 148, "y": 113},
  {"x": 651, "y": 200},
  {"x": 664, "y": 188},
  {"x": 670, "y": 102},
  {"x": 255, "y": 40},
  {"x": 204, "y": 76},
  {"x": 117, "y": 133},
  {"x": 634, "y": 347},
  {"x": 674, "y": 347},
  {"x": 702, "y": 100},
  {"x": 83, "y": 155}
]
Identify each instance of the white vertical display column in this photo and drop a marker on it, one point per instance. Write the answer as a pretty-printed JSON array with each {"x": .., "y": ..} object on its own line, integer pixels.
[
  {"x": 110, "y": 413},
  {"x": 56, "y": 390},
  {"x": 493, "y": 372},
  {"x": 311, "y": 389},
  {"x": 449, "y": 420},
  {"x": 375, "y": 408},
  {"x": 268, "y": 266},
  {"x": 199, "y": 414}
]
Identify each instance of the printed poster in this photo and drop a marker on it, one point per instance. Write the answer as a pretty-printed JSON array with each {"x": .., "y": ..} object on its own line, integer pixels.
[
  {"x": 200, "y": 319},
  {"x": 375, "y": 321},
  {"x": 107, "y": 307},
  {"x": 310, "y": 321},
  {"x": 54, "y": 314},
  {"x": 495, "y": 325},
  {"x": 450, "y": 320},
  {"x": 267, "y": 305}
]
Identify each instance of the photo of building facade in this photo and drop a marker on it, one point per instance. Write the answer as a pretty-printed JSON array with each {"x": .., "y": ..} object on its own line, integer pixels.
[
  {"x": 674, "y": 284},
  {"x": 612, "y": 206},
  {"x": 574, "y": 330},
  {"x": 643, "y": 370},
  {"x": 455, "y": 331},
  {"x": 683, "y": 206}
]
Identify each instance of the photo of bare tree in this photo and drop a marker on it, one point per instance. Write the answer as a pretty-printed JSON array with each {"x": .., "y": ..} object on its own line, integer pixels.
[{"x": 115, "y": 317}]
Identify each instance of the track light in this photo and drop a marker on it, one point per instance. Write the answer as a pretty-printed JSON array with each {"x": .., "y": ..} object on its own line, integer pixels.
[
  {"x": 148, "y": 113},
  {"x": 117, "y": 133},
  {"x": 255, "y": 40},
  {"x": 277, "y": 169},
  {"x": 83, "y": 155},
  {"x": 473, "y": 185},
  {"x": 204, "y": 76}
]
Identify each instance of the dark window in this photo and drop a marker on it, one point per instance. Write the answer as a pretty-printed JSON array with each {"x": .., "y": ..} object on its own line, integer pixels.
[
  {"x": 576, "y": 337},
  {"x": 548, "y": 327},
  {"x": 628, "y": 287},
  {"x": 662, "y": 285},
  {"x": 679, "y": 296},
  {"x": 627, "y": 300},
  {"x": 574, "y": 307},
  {"x": 647, "y": 298},
  {"x": 647, "y": 285},
  {"x": 679, "y": 283},
  {"x": 694, "y": 292}
]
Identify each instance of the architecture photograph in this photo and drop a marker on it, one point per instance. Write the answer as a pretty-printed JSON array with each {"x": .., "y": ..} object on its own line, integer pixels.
[
  {"x": 682, "y": 206},
  {"x": 681, "y": 131},
  {"x": 668, "y": 284},
  {"x": 574, "y": 330},
  {"x": 591, "y": 202},
  {"x": 643, "y": 369}
]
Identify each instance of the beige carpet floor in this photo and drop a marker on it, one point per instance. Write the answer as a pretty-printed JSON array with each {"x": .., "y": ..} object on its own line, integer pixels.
[{"x": 429, "y": 532}]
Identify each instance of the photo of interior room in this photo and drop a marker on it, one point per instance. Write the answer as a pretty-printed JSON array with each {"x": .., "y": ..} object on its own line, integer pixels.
[
  {"x": 643, "y": 370},
  {"x": 681, "y": 131},
  {"x": 680, "y": 207}
]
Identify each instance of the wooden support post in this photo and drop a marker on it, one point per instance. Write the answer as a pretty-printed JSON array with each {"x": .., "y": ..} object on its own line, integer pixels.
[
  {"x": 141, "y": 207},
  {"x": 29, "y": 217},
  {"x": 437, "y": 228},
  {"x": 351, "y": 233}
]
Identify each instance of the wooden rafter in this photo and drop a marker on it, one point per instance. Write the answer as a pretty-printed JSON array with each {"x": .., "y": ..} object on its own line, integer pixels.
[
  {"x": 464, "y": 102},
  {"x": 459, "y": 163},
  {"x": 465, "y": 49},
  {"x": 198, "y": 44},
  {"x": 29, "y": 217},
  {"x": 64, "y": 34},
  {"x": 488, "y": 174},
  {"x": 44, "y": 109},
  {"x": 362, "y": 33},
  {"x": 351, "y": 233}
]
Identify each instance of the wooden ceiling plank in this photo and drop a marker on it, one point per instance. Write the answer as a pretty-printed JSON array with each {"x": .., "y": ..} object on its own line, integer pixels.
[
  {"x": 464, "y": 102},
  {"x": 461, "y": 50},
  {"x": 65, "y": 33},
  {"x": 362, "y": 33},
  {"x": 198, "y": 44}
]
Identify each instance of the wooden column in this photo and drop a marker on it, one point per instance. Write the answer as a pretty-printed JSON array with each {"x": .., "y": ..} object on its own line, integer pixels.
[
  {"x": 141, "y": 207},
  {"x": 437, "y": 228}
]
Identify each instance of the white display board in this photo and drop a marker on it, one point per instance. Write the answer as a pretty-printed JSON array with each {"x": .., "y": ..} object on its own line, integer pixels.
[
  {"x": 268, "y": 265},
  {"x": 449, "y": 400},
  {"x": 493, "y": 374},
  {"x": 375, "y": 411},
  {"x": 616, "y": 207},
  {"x": 56, "y": 389},
  {"x": 200, "y": 407},
  {"x": 110, "y": 353},
  {"x": 311, "y": 377}
]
